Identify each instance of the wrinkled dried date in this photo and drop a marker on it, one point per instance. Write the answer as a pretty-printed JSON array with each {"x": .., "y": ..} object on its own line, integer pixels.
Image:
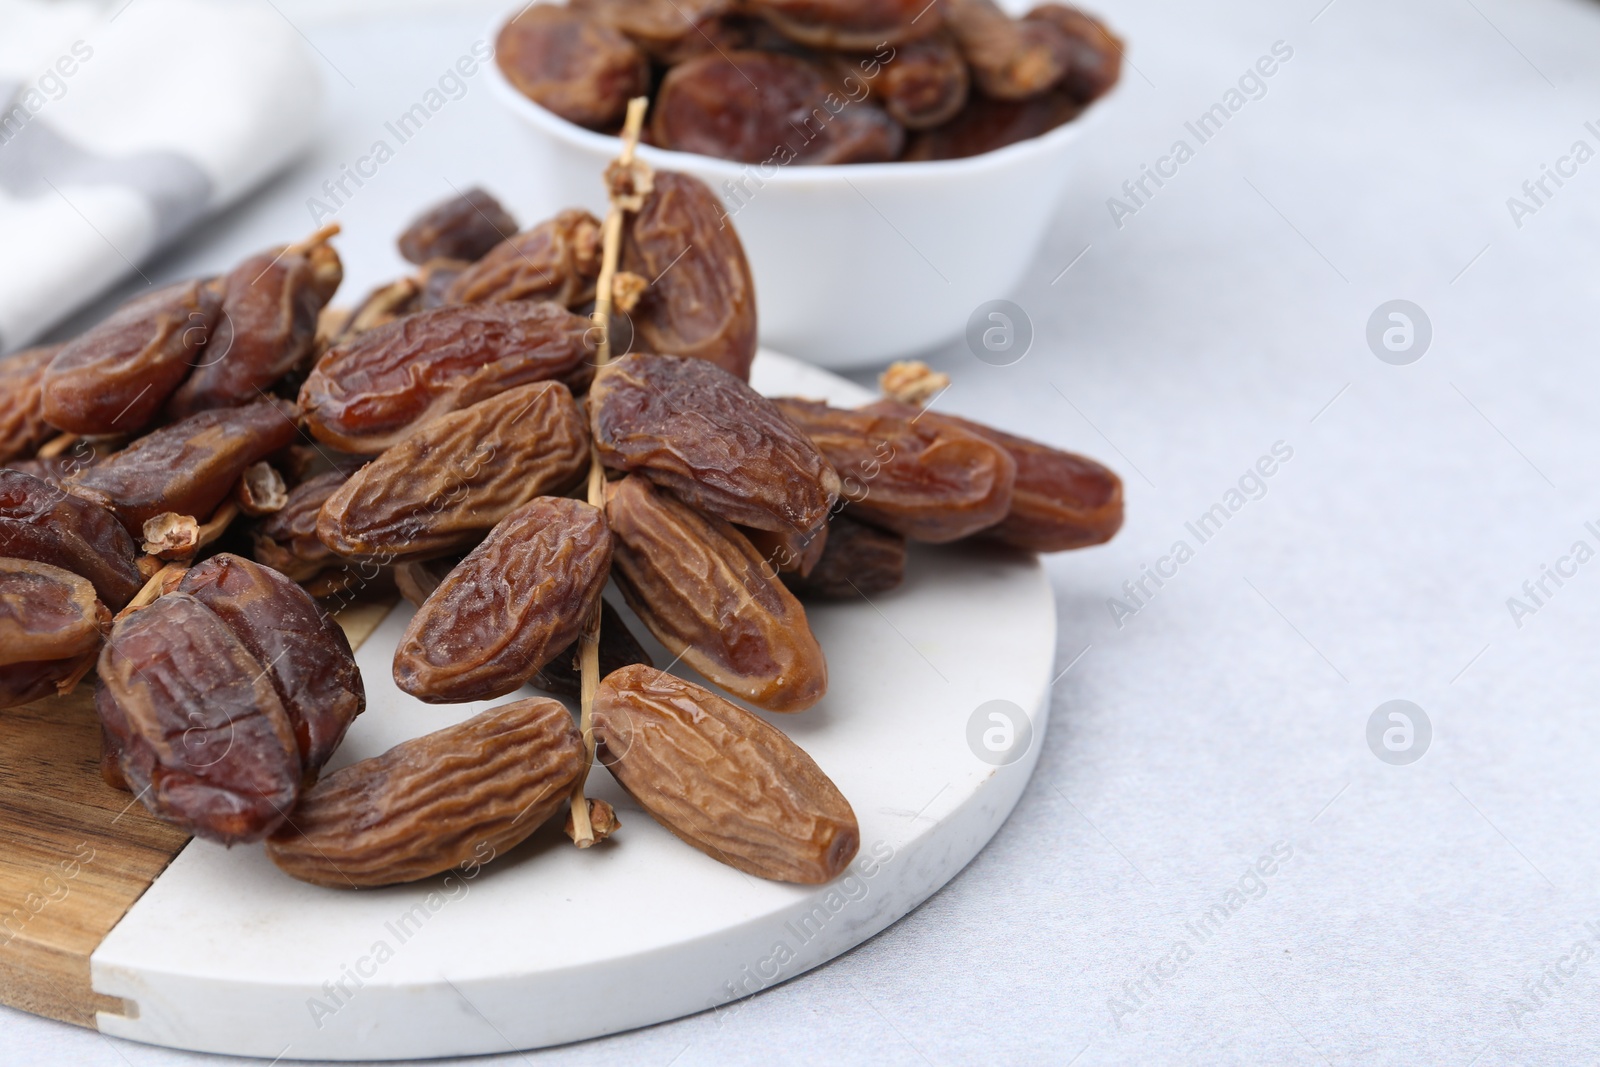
[
  {"x": 925, "y": 83},
  {"x": 558, "y": 260},
  {"x": 701, "y": 301},
  {"x": 22, "y": 425},
  {"x": 721, "y": 779},
  {"x": 206, "y": 742},
  {"x": 930, "y": 482},
  {"x": 465, "y": 794},
  {"x": 464, "y": 227},
  {"x": 287, "y": 540},
  {"x": 849, "y": 24},
  {"x": 303, "y": 652},
  {"x": 367, "y": 393},
  {"x": 1011, "y": 59},
  {"x": 708, "y": 595},
  {"x": 857, "y": 561},
  {"x": 618, "y": 649},
  {"x": 573, "y": 64},
  {"x": 512, "y": 605},
  {"x": 51, "y": 626},
  {"x": 116, "y": 377},
  {"x": 187, "y": 468},
  {"x": 266, "y": 329},
  {"x": 712, "y": 440},
  {"x": 40, "y": 522},
  {"x": 452, "y": 480},
  {"x": 1095, "y": 52}
]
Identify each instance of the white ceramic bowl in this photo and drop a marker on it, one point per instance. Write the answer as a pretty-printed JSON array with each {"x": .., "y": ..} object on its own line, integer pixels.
[{"x": 854, "y": 265}]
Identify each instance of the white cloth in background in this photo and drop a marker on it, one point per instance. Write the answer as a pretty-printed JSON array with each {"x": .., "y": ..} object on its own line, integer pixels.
[{"x": 122, "y": 126}]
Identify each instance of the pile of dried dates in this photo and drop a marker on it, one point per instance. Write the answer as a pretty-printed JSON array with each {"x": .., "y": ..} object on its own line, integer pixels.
[
  {"x": 814, "y": 81},
  {"x": 191, "y": 488}
]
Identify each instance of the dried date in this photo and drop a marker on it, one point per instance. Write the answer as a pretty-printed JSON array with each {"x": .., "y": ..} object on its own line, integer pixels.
[
  {"x": 511, "y": 606},
  {"x": 206, "y": 743},
  {"x": 116, "y": 377},
  {"x": 926, "y": 481},
  {"x": 925, "y": 84},
  {"x": 708, "y": 595},
  {"x": 450, "y": 482},
  {"x": 22, "y": 425},
  {"x": 463, "y": 227},
  {"x": 721, "y": 779},
  {"x": 572, "y": 64},
  {"x": 1011, "y": 59},
  {"x": 668, "y": 30},
  {"x": 460, "y": 796},
  {"x": 857, "y": 561},
  {"x": 40, "y": 522},
  {"x": 1096, "y": 52},
  {"x": 711, "y": 439},
  {"x": 557, "y": 260},
  {"x": 51, "y": 626},
  {"x": 849, "y": 24},
  {"x": 367, "y": 393}
]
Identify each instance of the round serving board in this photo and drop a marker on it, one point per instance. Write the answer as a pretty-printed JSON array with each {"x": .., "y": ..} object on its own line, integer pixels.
[{"x": 548, "y": 944}]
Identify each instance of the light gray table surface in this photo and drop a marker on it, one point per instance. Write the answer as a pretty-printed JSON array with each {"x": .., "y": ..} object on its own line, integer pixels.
[{"x": 1443, "y": 911}]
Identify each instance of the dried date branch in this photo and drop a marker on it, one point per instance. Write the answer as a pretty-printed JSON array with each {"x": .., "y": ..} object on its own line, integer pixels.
[{"x": 629, "y": 183}]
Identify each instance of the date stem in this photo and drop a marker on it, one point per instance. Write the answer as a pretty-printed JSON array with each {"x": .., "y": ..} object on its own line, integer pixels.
[
  {"x": 57, "y": 445},
  {"x": 583, "y": 829},
  {"x": 160, "y": 582}
]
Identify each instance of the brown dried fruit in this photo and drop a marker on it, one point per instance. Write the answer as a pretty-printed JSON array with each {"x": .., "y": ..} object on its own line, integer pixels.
[
  {"x": 47, "y": 613},
  {"x": 206, "y": 742},
  {"x": 928, "y": 481},
  {"x": 558, "y": 260},
  {"x": 985, "y": 125},
  {"x": 849, "y": 24},
  {"x": 1061, "y": 501},
  {"x": 511, "y": 606},
  {"x": 304, "y": 653},
  {"x": 667, "y": 29},
  {"x": 618, "y": 649},
  {"x": 22, "y": 425},
  {"x": 858, "y": 560},
  {"x": 700, "y": 299},
  {"x": 452, "y": 480},
  {"x": 925, "y": 83},
  {"x": 721, "y": 779},
  {"x": 463, "y": 227},
  {"x": 266, "y": 329},
  {"x": 1096, "y": 52},
  {"x": 711, "y": 439},
  {"x": 368, "y": 393},
  {"x": 460, "y": 796},
  {"x": 707, "y": 595},
  {"x": 573, "y": 64},
  {"x": 385, "y": 304},
  {"x": 287, "y": 541},
  {"x": 1011, "y": 59},
  {"x": 766, "y": 107},
  {"x": 116, "y": 377},
  {"x": 189, "y": 467},
  {"x": 40, "y": 522},
  {"x": 436, "y": 278}
]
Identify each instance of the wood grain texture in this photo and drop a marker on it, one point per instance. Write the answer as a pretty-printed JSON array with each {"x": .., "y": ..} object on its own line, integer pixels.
[{"x": 76, "y": 854}]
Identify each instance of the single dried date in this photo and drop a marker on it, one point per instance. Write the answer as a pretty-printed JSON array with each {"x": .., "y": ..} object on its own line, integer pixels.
[
  {"x": 116, "y": 377},
  {"x": 701, "y": 301},
  {"x": 287, "y": 539},
  {"x": 51, "y": 626},
  {"x": 450, "y": 798},
  {"x": 38, "y": 521},
  {"x": 22, "y": 425},
  {"x": 452, "y": 480},
  {"x": 1011, "y": 59},
  {"x": 367, "y": 393},
  {"x": 558, "y": 260},
  {"x": 618, "y": 649},
  {"x": 463, "y": 227},
  {"x": 708, "y": 595},
  {"x": 189, "y": 467},
  {"x": 721, "y": 779},
  {"x": 710, "y": 438},
  {"x": 1096, "y": 52},
  {"x": 857, "y": 561},
  {"x": 206, "y": 743},
  {"x": 927, "y": 481},
  {"x": 572, "y": 64},
  {"x": 304, "y": 652},
  {"x": 925, "y": 84},
  {"x": 510, "y": 607}
]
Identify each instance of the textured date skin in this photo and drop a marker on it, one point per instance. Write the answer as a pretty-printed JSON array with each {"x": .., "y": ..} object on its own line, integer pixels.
[
  {"x": 206, "y": 743},
  {"x": 721, "y": 779},
  {"x": 287, "y": 540},
  {"x": 849, "y": 24},
  {"x": 985, "y": 125},
  {"x": 858, "y": 560},
  {"x": 22, "y": 425},
  {"x": 925, "y": 84},
  {"x": 305, "y": 654},
  {"x": 702, "y": 301},
  {"x": 557, "y": 260},
  {"x": 39, "y": 521},
  {"x": 752, "y": 107},
  {"x": 711, "y": 439},
  {"x": 463, "y": 227},
  {"x": 708, "y": 595},
  {"x": 1061, "y": 501},
  {"x": 1096, "y": 52},
  {"x": 573, "y": 64},
  {"x": 51, "y": 626},
  {"x": 116, "y": 377},
  {"x": 926, "y": 481},
  {"x": 266, "y": 329},
  {"x": 367, "y": 393},
  {"x": 1011, "y": 59},
  {"x": 189, "y": 467},
  {"x": 452, "y": 480},
  {"x": 618, "y": 649},
  {"x": 512, "y": 605},
  {"x": 454, "y": 798}
]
